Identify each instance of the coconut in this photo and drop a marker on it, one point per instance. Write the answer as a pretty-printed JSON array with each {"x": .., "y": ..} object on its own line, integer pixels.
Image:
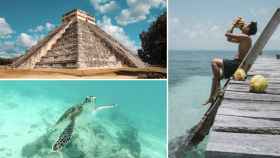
[
  {"x": 258, "y": 84},
  {"x": 239, "y": 75}
]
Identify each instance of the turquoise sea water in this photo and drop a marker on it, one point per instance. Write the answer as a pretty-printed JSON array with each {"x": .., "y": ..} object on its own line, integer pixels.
[
  {"x": 136, "y": 128},
  {"x": 189, "y": 87}
]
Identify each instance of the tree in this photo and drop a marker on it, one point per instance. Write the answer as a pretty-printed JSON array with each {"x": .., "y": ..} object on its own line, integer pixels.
[{"x": 154, "y": 47}]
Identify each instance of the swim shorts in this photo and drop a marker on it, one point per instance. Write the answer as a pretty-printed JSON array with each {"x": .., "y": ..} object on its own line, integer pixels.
[{"x": 230, "y": 66}]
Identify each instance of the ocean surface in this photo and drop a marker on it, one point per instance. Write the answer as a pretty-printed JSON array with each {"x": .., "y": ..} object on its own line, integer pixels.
[
  {"x": 29, "y": 110},
  {"x": 189, "y": 87}
]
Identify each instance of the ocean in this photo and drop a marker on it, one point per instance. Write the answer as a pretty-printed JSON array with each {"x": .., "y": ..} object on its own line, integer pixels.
[
  {"x": 30, "y": 109},
  {"x": 189, "y": 87}
]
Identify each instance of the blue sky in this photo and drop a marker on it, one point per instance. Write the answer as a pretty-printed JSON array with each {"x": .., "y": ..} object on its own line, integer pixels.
[
  {"x": 23, "y": 23},
  {"x": 200, "y": 24}
]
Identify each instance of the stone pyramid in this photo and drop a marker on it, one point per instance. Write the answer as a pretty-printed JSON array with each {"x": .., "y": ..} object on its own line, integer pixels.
[{"x": 78, "y": 43}]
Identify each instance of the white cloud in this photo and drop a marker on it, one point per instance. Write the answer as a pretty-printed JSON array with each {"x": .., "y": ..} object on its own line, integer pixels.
[
  {"x": 104, "y": 7},
  {"x": 9, "y": 54},
  {"x": 117, "y": 32},
  {"x": 138, "y": 10},
  {"x": 6, "y": 46},
  {"x": 8, "y": 49},
  {"x": 26, "y": 40},
  {"x": 49, "y": 26},
  {"x": 195, "y": 35},
  {"x": 5, "y": 28},
  {"x": 23, "y": 41},
  {"x": 39, "y": 28},
  {"x": 42, "y": 28}
]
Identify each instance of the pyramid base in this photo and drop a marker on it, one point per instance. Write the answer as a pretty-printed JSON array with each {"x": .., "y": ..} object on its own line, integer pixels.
[{"x": 83, "y": 73}]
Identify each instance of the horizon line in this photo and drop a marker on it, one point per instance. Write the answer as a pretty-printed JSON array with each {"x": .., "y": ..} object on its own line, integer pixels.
[{"x": 215, "y": 50}]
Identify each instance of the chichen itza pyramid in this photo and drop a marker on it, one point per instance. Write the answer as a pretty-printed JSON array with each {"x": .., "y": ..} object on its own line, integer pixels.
[{"x": 78, "y": 43}]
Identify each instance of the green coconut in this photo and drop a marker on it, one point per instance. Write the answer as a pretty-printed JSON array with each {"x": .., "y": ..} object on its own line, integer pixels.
[
  {"x": 239, "y": 75},
  {"x": 258, "y": 84}
]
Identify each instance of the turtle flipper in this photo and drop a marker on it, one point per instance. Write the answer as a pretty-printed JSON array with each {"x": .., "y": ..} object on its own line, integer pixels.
[
  {"x": 103, "y": 107},
  {"x": 65, "y": 136},
  {"x": 65, "y": 115},
  {"x": 74, "y": 110}
]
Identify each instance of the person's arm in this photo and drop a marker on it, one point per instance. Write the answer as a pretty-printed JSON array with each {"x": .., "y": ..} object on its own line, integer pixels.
[
  {"x": 229, "y": 34},
  {"x": 236, "y": 38}
]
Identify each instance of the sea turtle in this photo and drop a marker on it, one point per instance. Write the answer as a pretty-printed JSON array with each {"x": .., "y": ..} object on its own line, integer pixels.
[{"x": 86, "y": 107}]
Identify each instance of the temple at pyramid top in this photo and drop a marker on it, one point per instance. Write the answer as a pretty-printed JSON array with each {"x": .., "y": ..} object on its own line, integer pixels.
[
  {"x": 78, "y": 43},
  {"x": 78, "y": 14}
]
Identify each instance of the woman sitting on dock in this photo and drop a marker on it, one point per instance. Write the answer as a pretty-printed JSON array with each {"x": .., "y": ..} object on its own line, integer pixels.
[{"x": 228, "y": 67}]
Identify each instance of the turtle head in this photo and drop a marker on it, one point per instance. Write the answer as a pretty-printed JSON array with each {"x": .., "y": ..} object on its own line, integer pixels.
[
  {"x": 89, "y": 103},
  {"x": 90, "y": 99}
]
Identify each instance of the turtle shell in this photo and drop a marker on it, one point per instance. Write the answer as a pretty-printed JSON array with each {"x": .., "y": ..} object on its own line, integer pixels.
[
  {"x": 65, "y": 137},
  {"x": 71, "y": 113}
]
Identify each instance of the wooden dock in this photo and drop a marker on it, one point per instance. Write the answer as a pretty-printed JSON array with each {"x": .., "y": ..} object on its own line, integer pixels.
[{"x": 247, "y": 125}]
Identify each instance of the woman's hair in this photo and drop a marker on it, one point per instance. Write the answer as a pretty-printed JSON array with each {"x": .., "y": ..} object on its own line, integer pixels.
[{"x": 253, "y": 28}]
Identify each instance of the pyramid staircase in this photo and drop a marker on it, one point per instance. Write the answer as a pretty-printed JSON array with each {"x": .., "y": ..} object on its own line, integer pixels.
[{"x": 36, "y": 52}]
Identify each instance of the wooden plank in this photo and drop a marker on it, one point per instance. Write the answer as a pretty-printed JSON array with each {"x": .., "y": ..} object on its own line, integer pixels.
[
  {"x": 238, "y": 145},
  {"x": 268, "y": 110},
  {"x": 271, "y": 89},
  {"x": 264, "y": 63},
  {"x": 265, "y": 74},
  {"x": 266, "y": 68},
  {"x": 271, "y": 80},
  {"x": 241, "y": 124},
  {"x": 251, "y": 106},
  {"x": 266, "y": 60},
  {"x": 259, "y": 63},
  {"x": 274, "y": 71},
  {"x": 251, "y": 96},
  {"x": 262, "y": 40}
]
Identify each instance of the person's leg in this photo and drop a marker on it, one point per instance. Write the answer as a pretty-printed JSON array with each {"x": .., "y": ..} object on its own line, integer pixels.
[{"x": 216, "y": 65}]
